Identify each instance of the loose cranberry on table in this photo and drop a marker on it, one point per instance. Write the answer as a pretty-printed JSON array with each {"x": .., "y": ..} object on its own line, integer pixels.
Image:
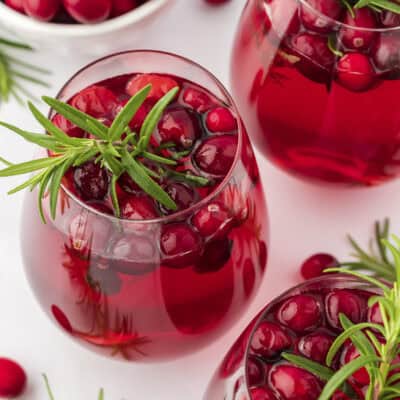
[
  {"x": 12, "y": 379},
  {"x": 314, "y": 266}
]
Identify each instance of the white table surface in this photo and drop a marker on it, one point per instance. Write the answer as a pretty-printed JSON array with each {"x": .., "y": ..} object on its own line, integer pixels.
[{"x": 304, "y": 218}]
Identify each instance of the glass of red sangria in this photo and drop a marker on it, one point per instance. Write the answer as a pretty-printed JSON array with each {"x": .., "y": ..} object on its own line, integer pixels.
[
  {"x": 120, "y": 270},
  {"x": 304, "y": 322},
  {"x": 314, "y": 80}
]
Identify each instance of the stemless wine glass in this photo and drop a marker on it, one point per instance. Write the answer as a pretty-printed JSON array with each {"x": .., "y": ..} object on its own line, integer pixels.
[
  {"x": 317, "y": 93},
  {"x": 133, "y": 303},
  {"x": 244, "y": 376}
]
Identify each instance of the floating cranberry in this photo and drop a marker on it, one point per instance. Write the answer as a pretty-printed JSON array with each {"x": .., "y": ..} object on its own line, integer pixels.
[
  {"x": 92, "y": 181},
  {"x": 97, "y": 101},
  {"x": 103, "y": 279},
  {"x": 359, "y": 39},
  {"x": 43, "y": 10},
  {"x": 316, "y": 346},
  {"x": 120, "y": 7},
  {"x": 180, "y": 245},
  {"x": 389, "y": 19},
  {"x": 360, "y": 377},
  {"x": 134, "y": 255},
  {"x": 316, "y": 60},
  {"x": 262, "y": 393},
  {"x": 315, "y": 265},
  {"x": 140, "y": 207},
  {"x": 197, "y": 99},
  {"x": 88, "y": 11},
  {"x": 312, "y": 19},
  {"x": 220, "y": 119},
  {"x": 270, "y": 339},
  {"x": 67, "y": 127},
  {"x": 386, "y": 53},
  {"x": 183, "y": 195},
  {"x": 216, "y": 154},
  {"x": 355, "y": 72},
  {"x": 179, "y": 126},
  {"x": 161, "y": 85},
  {"x": 128, "y": 184},
  {"x": 300, "y": 313},
  {"x": 17, "y": 5},
  {"x": 12, "y": 379},
  {"x": 294, "y": 383},
  {"x": 141, "y": 114},
  {"x": 213, "y": 219},
  {"x": 255, "y": 371},
  {"x": 374, "y": 314},
  {"x": 215, "y": 255},
  {"x": 343, "y": 301}
]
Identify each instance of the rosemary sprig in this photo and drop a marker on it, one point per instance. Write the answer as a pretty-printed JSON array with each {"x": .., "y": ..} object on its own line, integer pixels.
[
  {"x": 388, "y": 5},
  {"x": 378, "y": 345},
  {"x": 51, "y": 395},
  {"x": 14, "y": 72},
  {"x": 108, "y": 146}
]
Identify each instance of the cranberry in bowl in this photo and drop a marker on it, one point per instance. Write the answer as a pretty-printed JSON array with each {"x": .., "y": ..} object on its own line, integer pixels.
[
  {"x": 302, "y": 322},
  {"x": 85, "y": 27},
  {"x": 156, "y": 230},
  {"x": 315, "y": 87}
]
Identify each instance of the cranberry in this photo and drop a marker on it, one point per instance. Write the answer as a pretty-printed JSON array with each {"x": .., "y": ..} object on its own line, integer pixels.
[
  {"x": 103, "y": 279},
  {"x": 316, "y": 60},
  {"x": 134, "y": 255},
  {"x": 389, "y": 19},
  {"x": 120, "y": 7},
  {"x": 12, "y": 378},
  {"x": 128, "y": 184},
  {"x": 88, "y": 11},
  {"x": 213, "y": 219},
  {"x": 138, "y": 208},
  {"x": 311, "y": 14},
  {"x": 316, "y": 346},
  {"x": 270, "y": 339},
  {"x": 315, "y": 265},
  {"x": 262, "y": 393},
  {"x": 183, "y": 195},
  {"x": 386, "y": 53},
  {"x": 343, "y": 301},
  {"x": 294, "y": 383},
  {"x": 180, "y": 245},
  {"x": 255, "y": 371},
  {"x": 374, "y": 314},
  {"x": 92, "y": 181},
  {"x": 360, "y": 377},
  {"x": 43, "y": 10},
  {"x": 358, "y": 39},
  {"x": 160, "y": 85},
  {"x": 220, "y": 119},
  {"x": 179, "y": 126},
  {"x": 215, "y": 255},
  {"x": 67, "y": 127},
  {"x": 215, "y": 155},
  {"x": 97, "y": 101},
  {"x": 197, "y": 99},
  {"x": 300, "y": 313},
  {"x": 17, "y": 5},
  {"x": 355, "y": 72}
]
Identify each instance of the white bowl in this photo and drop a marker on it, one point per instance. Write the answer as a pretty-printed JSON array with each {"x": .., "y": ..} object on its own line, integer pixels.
[{"x": 95, "y": 39}]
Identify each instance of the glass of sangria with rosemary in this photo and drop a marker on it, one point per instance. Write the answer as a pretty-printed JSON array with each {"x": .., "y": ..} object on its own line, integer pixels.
[
  {"x": 315, "y": 80},
  {"x": 150, "y": 238},
  {"x": 335, "y": 337}
]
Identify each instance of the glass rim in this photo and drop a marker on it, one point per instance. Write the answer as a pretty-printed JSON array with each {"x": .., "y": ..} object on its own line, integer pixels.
[
  {"x": 230, "y": 102},
  {"x": 344, "y": 25},
  {"x": 337, "y": 277}
]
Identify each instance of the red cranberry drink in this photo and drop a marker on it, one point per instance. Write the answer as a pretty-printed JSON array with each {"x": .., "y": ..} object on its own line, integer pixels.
[
  {"x": 156, "y": 226},
  {"x": 303, "y": 322},
  {"x": 313, "y": 80}
]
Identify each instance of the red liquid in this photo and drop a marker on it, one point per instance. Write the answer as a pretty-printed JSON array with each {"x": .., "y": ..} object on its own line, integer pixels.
[
  {"x": 301, "y": 115},
  {"x": 158, "y": 308}
]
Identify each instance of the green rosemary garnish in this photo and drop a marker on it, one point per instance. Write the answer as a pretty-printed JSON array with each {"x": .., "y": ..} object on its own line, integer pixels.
[
  {"x": 14, "y": 71},
  {"x": 116, "y": 148},
  {"x": 378, "y": 345},
  {"x": 388, "y": 5}
]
